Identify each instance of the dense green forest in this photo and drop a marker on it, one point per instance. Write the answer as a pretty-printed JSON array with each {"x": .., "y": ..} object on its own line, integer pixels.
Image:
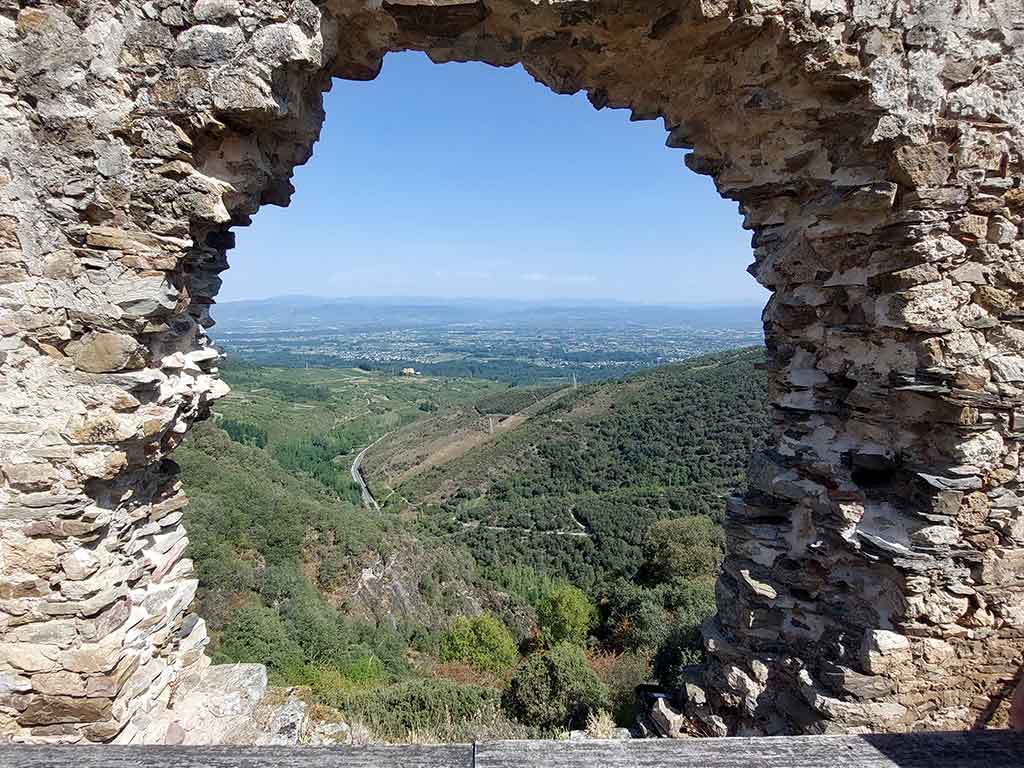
[{"x": 523, "y": 586}]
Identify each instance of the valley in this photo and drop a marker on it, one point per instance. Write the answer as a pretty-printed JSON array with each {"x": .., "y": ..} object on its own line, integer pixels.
[{"x": 576, "y": 526}]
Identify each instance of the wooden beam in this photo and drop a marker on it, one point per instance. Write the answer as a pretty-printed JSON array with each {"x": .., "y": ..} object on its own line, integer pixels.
[
  {"x": 975, "y": 749},
  {"x": 106, "y": 756}
]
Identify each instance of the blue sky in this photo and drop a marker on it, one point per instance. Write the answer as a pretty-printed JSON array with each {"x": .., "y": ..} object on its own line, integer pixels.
[{"x": 464, "y": 180}]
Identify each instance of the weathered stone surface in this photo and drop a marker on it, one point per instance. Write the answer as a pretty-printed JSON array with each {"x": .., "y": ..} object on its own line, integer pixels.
[
  {"x": 59, "y": 684},
  {"x": 207, "y": 44},
  {"x": 875, "y": 575},
  {"x": 79, "y": 564},
  {"x": 30, "y": 657},
  {"x": 30, "y": 555},
  {"x": 29, "y": 475},
  {"x": 669, "y": 722},
  {"x": 46, "y": 710},
  {"x": 927, "y": 165},
  {"x": 216, "y": 10},
  {"x": 105, "y": 352},
  {"x": 217, "y": 706}
]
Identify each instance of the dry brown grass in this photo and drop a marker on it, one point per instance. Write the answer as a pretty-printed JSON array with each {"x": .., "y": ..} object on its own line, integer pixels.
[
  {"x": 621, "y": 672},
  {"x": 465, "y": 674},
  {"x": 600, "y": 725},
  {"x": 602, "y": 662}
]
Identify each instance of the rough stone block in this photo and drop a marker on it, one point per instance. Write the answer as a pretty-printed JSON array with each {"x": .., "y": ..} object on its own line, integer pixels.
[
  {"x": 927, "y": 165},
  {"x": 105, "y": 352},
  {"x": 47, "y": 710}
]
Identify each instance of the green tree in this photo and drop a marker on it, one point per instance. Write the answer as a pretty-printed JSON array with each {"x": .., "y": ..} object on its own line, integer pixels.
[
  {"x": 564, "y": 615},
  {"x": 257, "y": 634},
  {"x": 482, "y": 641},
  {"x": 632, "y": 617},
  {"x": 555, "y": 689},
  {"x": 683, "y": 548}
]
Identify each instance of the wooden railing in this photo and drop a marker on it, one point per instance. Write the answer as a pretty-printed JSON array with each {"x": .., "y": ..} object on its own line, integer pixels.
[{"x": 976, "y": 749}]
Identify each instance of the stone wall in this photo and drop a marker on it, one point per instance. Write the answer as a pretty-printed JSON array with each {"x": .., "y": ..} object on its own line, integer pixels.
[{"x": 876, "y": 570}]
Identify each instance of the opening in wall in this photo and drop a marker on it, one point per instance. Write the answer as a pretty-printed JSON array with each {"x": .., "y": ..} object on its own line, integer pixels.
[{"x": 496, "y": 370}]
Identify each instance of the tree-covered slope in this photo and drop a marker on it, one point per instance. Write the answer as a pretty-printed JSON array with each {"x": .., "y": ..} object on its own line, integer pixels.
[{"x": 573, "y": 490}]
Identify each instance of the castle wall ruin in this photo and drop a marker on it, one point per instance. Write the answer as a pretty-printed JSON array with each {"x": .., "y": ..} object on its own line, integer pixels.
[{"x": 875, "y": 575}]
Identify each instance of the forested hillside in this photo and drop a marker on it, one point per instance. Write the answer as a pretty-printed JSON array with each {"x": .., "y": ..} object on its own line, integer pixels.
[
  {"x": 534, "y": 545},
  {"x": 573, "y": 490}
]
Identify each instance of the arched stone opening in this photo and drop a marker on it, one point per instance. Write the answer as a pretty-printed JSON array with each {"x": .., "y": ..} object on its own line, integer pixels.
[{"x": 874, "y": 579}]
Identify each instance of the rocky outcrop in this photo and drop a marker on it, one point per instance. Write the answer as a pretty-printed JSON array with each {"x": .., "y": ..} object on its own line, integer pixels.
[{"x": 876, "y": 567}]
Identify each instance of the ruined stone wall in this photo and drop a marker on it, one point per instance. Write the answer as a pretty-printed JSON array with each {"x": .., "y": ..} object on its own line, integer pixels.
[{"x": 876, "y": 570}]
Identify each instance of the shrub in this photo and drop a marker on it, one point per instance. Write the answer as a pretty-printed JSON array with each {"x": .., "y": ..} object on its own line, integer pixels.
[
  {"x": 632, "y": 617},
  {"x": 257, "y": 634},
  {"x": 564, "y": 615},
  {"x": 622, "y": 673},
  {"x": 684, "y": 548},
  {"x": 448, "y": 711},
  {"x": 278, "y": 583},
  {"x": 523, "y": 582},
  {"x": 690, "y": 602},
  {"x": 243, "y": 432},
  {"x": 600, "y": 725},
  {"x": 362, "y": 672},
  {"x": 681, "y": 649},
  {"x": 555, "y": 689},
  {"x": 482, "y": 641}
]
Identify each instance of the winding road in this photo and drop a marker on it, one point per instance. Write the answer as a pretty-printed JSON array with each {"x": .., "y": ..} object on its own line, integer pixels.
[{"x": 357, "y": 476}]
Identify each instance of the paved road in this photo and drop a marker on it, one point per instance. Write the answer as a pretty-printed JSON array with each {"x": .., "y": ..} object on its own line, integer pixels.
[{"x": 357, "y": 476}]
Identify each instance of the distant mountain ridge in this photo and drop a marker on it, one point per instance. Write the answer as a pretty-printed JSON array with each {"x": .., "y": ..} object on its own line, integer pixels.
[{"x": 299, "y": 312}]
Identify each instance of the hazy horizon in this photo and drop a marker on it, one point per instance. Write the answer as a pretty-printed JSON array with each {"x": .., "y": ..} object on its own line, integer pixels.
[{"x": 556, "y": 300}]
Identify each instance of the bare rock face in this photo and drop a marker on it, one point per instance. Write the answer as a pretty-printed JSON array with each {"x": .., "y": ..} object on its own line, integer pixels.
[
  {"x": 211, "y": 705},
  {"x": 875, "y": 577}
]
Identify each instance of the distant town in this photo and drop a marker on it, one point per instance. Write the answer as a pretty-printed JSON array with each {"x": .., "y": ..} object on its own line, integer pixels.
[{"x": 518, "y": 343}]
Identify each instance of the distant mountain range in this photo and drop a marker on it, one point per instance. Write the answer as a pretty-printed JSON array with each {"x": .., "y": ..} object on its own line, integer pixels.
[{"x": 307, "y": 312}]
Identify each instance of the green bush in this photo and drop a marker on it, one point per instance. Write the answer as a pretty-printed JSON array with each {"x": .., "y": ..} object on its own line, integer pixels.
[
  {"x": 257, "y": 634},
  {"x": 683, "y": 548},
  {"x": 362, "y": 672},
  {"x": 680, "y": 649},
  {"x": 564, "y": 615},
  {"x": 632, "y": 617},
  {"x": 523, "y": 582},
  {"x": 243, "y": 432},
  {"x": 555, "y": 689},
  {"x": 395, "y": 711},
  {"x": 365, "y": 669},
  {"x": 689, "y": 602},
  {"x": 626, "y": 673},
  {"x": 482, "y": 641}
]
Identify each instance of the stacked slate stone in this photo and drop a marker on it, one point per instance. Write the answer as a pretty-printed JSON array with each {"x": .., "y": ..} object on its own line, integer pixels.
[{"x": 875, "y": 577}]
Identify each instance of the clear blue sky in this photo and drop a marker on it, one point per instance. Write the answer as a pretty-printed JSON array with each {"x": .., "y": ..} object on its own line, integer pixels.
[{"x": 464, "y": 180}]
